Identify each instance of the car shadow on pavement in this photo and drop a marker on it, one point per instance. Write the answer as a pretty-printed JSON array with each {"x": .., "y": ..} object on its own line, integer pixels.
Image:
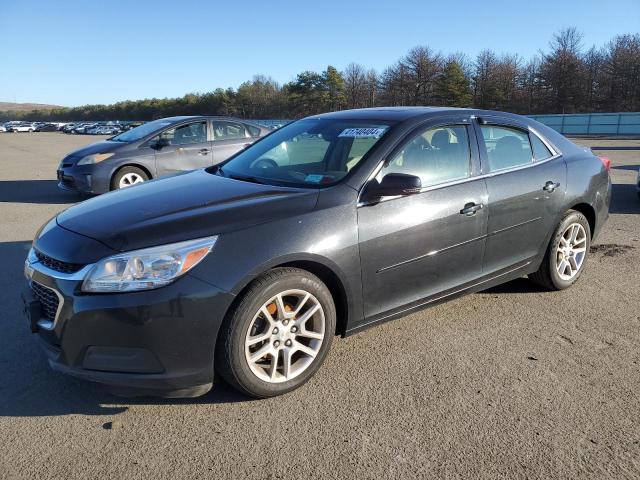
[
  {"x": 29, "y": 388},
  {"x": 519, "y": 285},
  {"x": 624, "y": 199},
  {"x": 36, "y": 191}
]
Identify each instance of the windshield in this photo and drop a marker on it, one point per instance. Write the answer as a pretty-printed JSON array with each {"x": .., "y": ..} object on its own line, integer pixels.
[
  {"x": 306, "y": 153},
  {"x": 143, "y": 130}
]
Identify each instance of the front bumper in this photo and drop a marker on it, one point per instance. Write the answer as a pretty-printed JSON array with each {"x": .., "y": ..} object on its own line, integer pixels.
[
  {"x": 83, "y": 178},
  {"x": 150, "y": 342}
]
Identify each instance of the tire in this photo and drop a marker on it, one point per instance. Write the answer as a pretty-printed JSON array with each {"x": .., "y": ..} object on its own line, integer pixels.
[
  {"x": 260, "y": 379},
  {"x": 552, "y": 275},
  {"x": 134, "y": 174}
]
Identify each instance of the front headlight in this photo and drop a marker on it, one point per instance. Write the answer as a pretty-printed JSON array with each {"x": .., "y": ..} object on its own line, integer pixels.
[
  {"x": 147, "y": 268},
  {"x": 95, "y": 158}
]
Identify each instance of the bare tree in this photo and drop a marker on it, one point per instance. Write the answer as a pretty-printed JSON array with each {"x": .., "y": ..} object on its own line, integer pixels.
[{"x": 355, "y": 85}]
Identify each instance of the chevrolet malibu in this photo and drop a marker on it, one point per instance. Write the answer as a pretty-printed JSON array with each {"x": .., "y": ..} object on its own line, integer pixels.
[
  {"x": 327, "y": 226},
  {"x": 156, "y": 149}
]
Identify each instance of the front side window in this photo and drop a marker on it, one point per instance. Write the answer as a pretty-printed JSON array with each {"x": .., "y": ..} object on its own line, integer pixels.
[
  {"x": 506, "y": 147},
  {"x": 186, "y": 134},
  {"x": 436, "y": 155},
  {"x": 228, "y": 131},
  {"x": 307, "y": 153}
]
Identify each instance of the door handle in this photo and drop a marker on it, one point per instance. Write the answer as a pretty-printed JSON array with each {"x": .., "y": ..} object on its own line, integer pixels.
[
  {"x": 471, "y": 209},
  {"x": 550, "y": 186},
  {"x": 204, "y": 151}
]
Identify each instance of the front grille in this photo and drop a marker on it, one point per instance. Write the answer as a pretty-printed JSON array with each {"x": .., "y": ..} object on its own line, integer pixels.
[
  {"x": 49, "y": 300},
  {"x": 57, "y": 265}
]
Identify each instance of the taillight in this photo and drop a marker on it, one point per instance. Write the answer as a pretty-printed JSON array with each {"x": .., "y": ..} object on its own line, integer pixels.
[{"x": 606, "y": 162}]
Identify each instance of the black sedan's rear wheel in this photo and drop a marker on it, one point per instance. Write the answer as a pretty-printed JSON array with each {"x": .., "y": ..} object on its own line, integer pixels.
[
  {"x": 278, "y": 335},
  {"x": 566, "y": 254}
]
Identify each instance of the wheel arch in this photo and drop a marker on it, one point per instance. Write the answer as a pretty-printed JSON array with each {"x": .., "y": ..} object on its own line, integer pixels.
[
  {"x": 589, "y": 212},
  {"x": 329, "y": 275}
]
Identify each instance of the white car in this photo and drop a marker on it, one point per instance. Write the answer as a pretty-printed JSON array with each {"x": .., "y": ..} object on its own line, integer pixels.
[
  {"x": 24, "y": 127},
  {"x": 3, "y": 128}
]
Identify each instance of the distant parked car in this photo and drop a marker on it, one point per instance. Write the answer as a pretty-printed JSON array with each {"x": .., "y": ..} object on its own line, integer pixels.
[
  {"x": 108, "y": 130},
  {"x": 3, "y": 128},
  {"x": 47, "y": 127},
  {"x": 82, "y": 128},
  {"x": 156, "y": 149},
  {"x": 23, "y": 127}
]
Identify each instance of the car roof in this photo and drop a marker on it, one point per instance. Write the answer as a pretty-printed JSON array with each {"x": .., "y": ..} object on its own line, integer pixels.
[
  {"x": 206, "y": 117},
  {"x": 400, "y": 114}
]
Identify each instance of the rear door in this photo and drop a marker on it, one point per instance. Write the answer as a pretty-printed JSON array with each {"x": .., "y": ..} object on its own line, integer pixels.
[
  {"x": 188, "y": 148},
  {"x": 416, "y": 246},
  {"x": 228, "y": 138},
  {"x": 526, "y": 191}
]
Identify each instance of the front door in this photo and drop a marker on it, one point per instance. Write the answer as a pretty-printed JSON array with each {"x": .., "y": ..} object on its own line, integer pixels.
[
  {"x": 417, "y": 246},
  {"x": 186, "y": 148},
  {"x": 526, "y": 192}
]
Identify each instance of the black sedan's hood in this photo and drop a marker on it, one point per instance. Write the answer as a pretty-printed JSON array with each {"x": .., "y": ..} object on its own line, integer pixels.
[
  {"x": 105, "y": 146},
  {"x": 193, "y": 205}
]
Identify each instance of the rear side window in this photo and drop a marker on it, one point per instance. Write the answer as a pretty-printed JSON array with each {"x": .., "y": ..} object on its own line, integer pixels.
[
  {"x": 228, "y": 131},
  {"x": 540, "y": 150},
  {"x": 506, "y": 147}
]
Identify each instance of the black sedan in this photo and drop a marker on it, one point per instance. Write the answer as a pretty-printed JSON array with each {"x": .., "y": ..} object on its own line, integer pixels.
[
  {"x": 155, "y": 149},
  {"x": 47, "y": 127},
  {"x": 327, "y": 226}
]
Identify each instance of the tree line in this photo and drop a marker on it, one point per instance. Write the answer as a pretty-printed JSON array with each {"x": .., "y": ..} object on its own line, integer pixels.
[{"x": 566, "y": 78}]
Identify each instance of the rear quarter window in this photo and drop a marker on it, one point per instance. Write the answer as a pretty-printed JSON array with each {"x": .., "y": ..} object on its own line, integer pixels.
[{"x": 540, "y": 150}]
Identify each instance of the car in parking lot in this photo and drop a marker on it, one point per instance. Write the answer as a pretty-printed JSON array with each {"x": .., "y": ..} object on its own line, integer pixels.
[
  {"x": 156, "y": 149},
  {"x": 253, "y": 265},
  {"x": 22, "y": 127},
  {"x": 46, "y": 127}
]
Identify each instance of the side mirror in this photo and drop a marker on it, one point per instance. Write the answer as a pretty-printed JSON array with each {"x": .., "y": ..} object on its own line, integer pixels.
[
  {"x": 160, "y": 143},
  {"x": 394, "y": 184}
]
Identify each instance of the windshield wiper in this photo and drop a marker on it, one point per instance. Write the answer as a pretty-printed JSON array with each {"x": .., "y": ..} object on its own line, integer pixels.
[{"x": 247, "y": 179}]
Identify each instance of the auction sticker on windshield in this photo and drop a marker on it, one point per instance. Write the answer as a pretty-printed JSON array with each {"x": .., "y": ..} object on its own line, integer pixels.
[{"x": 362, "y": 132}]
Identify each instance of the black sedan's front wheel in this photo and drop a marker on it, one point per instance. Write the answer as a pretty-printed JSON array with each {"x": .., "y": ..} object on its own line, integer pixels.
[
  {"x": 566, "y": 254},
  {"x": 278, "y": 335}
]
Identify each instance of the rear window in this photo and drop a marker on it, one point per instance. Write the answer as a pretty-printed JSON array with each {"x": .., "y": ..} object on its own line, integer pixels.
[{"x": 506, "y": 147}]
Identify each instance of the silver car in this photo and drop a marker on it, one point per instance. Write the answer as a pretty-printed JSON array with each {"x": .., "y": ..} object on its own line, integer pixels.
[{"x": 156, "y": 149}]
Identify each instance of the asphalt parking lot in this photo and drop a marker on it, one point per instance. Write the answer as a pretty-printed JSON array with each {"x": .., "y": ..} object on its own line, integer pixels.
[{"x": 513, "y": 382}]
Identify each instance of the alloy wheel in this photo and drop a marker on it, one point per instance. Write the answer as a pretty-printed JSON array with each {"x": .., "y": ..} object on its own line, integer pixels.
[
  {"x": 285, "y": 336},
  {"x": 571, "y": 251},
  {"x": 129, "y": 179}
]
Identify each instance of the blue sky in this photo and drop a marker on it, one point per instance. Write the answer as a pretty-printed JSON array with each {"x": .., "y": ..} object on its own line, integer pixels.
[{"x": 78, "y": 52}]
